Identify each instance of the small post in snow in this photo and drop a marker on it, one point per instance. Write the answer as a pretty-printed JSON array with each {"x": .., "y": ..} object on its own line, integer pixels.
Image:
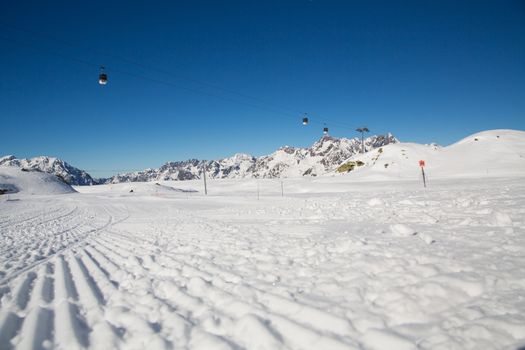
[
  {"x": 257, "y": 189},
  {"x": 282, "y": 189},
  {"x": 204, "y": 177},
  {"x": 422, "y": 166}
]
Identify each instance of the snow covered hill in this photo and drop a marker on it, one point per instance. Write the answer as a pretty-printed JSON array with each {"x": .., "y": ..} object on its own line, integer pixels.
[
  {"x": 323, "y": 156},
  {"x": 51, "y": 165},
  {"x": 488, "y": 153},
  {"x": 14, "y": 180}
]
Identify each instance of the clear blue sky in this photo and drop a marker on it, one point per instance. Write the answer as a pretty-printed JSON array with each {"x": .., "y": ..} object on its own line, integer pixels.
[{"x": 427, "y": 71}]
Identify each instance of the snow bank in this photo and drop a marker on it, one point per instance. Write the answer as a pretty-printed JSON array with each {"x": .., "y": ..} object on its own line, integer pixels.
[
  {"x": 131, "y": 188},
  {"x": 14, "y": 180},
  {"x": 494, "y": 153}
]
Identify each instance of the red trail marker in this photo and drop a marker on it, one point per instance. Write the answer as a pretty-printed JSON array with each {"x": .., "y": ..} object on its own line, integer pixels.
[{"x": 422, "y": 165}]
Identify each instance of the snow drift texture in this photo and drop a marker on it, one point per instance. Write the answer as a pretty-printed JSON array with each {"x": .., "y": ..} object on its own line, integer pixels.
[{"x": 357, "y": 265}]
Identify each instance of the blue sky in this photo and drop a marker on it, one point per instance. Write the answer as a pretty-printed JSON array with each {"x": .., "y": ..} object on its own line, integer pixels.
[{"x": 206, "y": 79}]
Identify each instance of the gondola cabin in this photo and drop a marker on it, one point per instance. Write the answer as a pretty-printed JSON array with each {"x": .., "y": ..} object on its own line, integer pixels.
[{"x": 102, "y": 76}]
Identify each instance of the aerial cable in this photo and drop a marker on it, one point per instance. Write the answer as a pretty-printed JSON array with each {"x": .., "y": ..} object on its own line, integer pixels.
[
  {"x": 102, "y": 80},
  {"x": 274, "y": 108},
  {"x": 155, "y": 80},
  {"x": 151, "y": 67}
]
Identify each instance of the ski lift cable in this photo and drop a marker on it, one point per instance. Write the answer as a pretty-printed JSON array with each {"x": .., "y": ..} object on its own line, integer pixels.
[
  {"x": 165, "y": 82},
  {"x": 176, "y": 75},
  {"x": 155, "y": 80},
  {"x": 168, "y": 83},
  {"x": 150, "y": 67}
]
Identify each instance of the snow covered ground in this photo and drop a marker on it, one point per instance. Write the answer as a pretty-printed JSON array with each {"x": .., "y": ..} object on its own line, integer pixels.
[{"x": 334, "y": 264}]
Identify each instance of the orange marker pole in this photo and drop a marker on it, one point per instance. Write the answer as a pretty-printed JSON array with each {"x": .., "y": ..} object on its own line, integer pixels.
[{"x": 422, "y": 165}]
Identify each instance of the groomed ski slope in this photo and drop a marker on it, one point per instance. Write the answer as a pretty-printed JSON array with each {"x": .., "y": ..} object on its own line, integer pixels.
[{"x": 334, "y": 264}]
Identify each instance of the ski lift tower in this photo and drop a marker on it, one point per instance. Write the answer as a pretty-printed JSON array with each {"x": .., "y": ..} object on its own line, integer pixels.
[{"x": 362, "y": 131}]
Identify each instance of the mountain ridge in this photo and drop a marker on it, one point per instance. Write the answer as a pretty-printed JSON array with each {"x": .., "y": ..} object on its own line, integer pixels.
[
  {"x": 483, "y": 153},
  {"x": 323, "y": 156},
  {"x": 51, "y": 165}
]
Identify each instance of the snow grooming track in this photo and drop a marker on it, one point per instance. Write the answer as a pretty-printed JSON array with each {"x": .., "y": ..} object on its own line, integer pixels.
[
  {"x": 42, "y": 320},
  {"x": 41, "y": 253},
  {"x": 345, "y": 271}
]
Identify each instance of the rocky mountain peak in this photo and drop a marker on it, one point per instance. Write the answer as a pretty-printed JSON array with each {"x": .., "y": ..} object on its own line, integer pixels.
[
  {"x": 325, "y": 155},
  {"x": 51, "y": 165}
]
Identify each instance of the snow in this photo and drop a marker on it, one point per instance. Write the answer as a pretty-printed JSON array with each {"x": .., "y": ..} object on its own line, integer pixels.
[
  {"x": 138, "y": 188},
  {"x": 373, "y": 265},
  {"x": 15, "y": 180},
  {"x": 51, "y": 165},
  {"x": 493, "y": 153},
  {"x": 402, "y": 230},
  {"x": 335, "y": 262}
]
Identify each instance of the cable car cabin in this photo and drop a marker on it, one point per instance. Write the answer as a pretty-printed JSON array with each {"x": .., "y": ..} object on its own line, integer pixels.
[
  {"x": 102, "y": 78},
  {"x": 325, "y": 130},
  {"x": 305, "y": 121}
]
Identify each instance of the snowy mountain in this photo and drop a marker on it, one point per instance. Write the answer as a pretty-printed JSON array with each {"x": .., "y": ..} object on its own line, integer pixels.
[
  {"x": 484, "y": 154},
  {"x": 323, "y": 156},
  {"x": 488, "y": 153},
  {"x": 51, "y": 165},
  {"x": 15, "y": 180}
]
